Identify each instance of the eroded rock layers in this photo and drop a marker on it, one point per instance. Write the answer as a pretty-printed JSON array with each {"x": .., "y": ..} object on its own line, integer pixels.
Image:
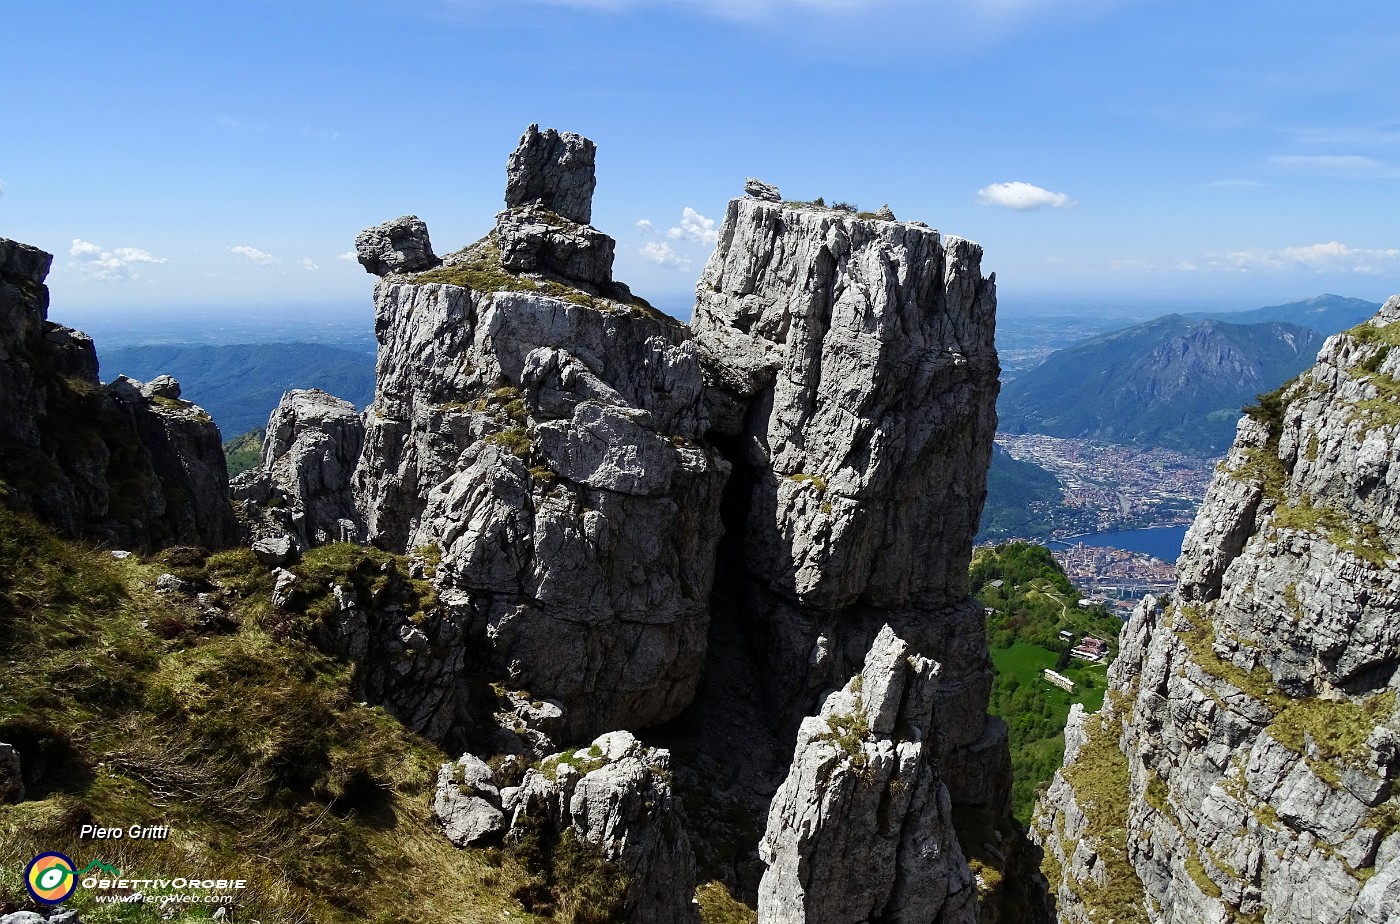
[{"x": 1244, "y": 766}]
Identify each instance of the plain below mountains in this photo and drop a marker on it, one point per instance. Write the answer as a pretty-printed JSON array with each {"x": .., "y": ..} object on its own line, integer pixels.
[
  {"x": 1174, "y": 383},
  {"x": 240, "y": 384}
]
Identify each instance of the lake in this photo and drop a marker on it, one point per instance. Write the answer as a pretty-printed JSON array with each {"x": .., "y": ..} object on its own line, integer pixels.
[{"x": 1163, "y": 542}]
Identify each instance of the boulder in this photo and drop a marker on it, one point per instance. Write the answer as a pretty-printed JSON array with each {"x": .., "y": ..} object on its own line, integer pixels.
[
  {"x": 398, "y": 246},
  {"x": 762, "y": 191},
  {"x": 616, "y": 795},
  {"x": 467, "y": 802}
]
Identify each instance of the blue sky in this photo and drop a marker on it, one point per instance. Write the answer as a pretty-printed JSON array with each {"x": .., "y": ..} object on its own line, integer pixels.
[{"x": 1104, "y": 152}]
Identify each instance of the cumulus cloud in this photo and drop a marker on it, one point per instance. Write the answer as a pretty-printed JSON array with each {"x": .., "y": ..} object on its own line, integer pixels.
[
  {"x": 1332, "y": 256},
  {"x": 1354, "y": 166},
  {"x": 254, "y": 255},
  {"x": 348, "y": 255},
  {"x": 1023, "y": 197},
  {"x": 645, "y": 226},
  {"x": 307, "y": 263},
  {"x": 93, "y": 262},
  {"x": 694, "y": 227},
  {"x": 660, "y": 253}
]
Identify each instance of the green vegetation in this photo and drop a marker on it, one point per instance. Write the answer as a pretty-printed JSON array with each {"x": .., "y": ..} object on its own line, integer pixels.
[
  {"x": 1100, "y": 779},
  {"x": 129, "y": 706},
  {"x": 244, "y": 453},
  {"x": 1034, "y": 603},
  {"x": 479, "y": 268},
  {"x": 717, "y": 906},
  {"x": 816, "y": 481},
  {"x": 1023, "y": 500},
  {"x": 516, "y": 440},
  {"x": 1384, "y": 409},
  {"x": 1336, "y": 729}
]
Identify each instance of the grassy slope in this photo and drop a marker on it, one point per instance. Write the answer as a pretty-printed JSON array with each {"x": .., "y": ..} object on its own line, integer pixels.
[
  {"x": 242, "y": 738},
  {"x": 1034, "y": 603},
  {"x": 244, "y": 451}
]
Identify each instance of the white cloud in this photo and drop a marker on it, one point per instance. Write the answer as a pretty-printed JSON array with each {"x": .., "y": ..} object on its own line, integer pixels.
[
  {"x": 95, "y": 263},
  {"x": 348, "y": 255},
  {"x": 2, "y": 189},
  {"x": 1354, "y": 166},
  {"x": 694, "y": 227},
  {"x": 307, "y": 263},
  {"x": 660, "y": 253},
  {"x": 1332, "y": 256},
  {"x": 1023, "y": 197},
  {"x": 254, "y": 255},
  {"x": 645, "y": 226},
  {"x": 135, "y": 255}
]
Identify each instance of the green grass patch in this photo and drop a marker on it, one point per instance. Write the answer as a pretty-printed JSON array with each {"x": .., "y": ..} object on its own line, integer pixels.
[
  {"x": 717, "y": 906},
  {"x": 245, "y": 742},
  {"x": 1100, "y": 779},
  {"x": 244, "y": 453}
]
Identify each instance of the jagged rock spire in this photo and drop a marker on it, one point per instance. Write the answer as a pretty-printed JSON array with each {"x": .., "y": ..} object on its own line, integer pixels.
[{"x": 554, "y": 169}]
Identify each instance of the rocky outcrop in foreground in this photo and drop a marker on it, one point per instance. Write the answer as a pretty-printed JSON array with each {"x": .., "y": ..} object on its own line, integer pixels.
[
  {"x": 861, "y": 830},
  {"x": 1244, "y": 767},
  {"x": 129, "y": 464},
  {"x": 605, "y": 492}
]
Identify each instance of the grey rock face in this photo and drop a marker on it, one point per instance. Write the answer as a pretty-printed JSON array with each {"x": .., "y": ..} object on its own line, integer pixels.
[
  {"x": 416, "y": 669},
  {"x": 467, "y": 801},
  {"x": 552, "y": 451},
  {"x": 535, "y": 240},
  {"x": 554, "y": 169},
  {"x": 398, "y": 246},
  {"x": 765, "y": 192},
  {"x": 1255, "y": 714},
  {"x": 303, "y": 490},
  {"x": 861, "y": 830},
  {"x": 111, "y": 464},
  {"x": 853, "y": 375},
  {"x": 11, "y": 777},
  {"x": 616, "y": 795}
]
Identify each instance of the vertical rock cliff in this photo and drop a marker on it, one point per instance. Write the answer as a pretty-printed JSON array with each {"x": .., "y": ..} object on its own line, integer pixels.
[
  {"x": 1244, "y": 765},
  {"x": 128, "y": 463}
]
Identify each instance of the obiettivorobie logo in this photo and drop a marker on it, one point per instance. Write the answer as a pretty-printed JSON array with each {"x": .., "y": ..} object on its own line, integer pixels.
[{"x": 51, "y": 878}]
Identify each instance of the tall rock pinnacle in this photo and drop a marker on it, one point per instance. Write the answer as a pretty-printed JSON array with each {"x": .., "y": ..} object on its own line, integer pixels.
[{"x": 554, "y": 169}]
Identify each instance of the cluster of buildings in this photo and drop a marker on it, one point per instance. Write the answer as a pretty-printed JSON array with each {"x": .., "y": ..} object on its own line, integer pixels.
[
  {"x": 1116, "y": 487},
  {"x": 1116, "y": 578}
]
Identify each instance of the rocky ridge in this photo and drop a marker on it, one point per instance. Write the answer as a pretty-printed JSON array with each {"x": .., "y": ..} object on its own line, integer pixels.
[
  {"x": 129, "y": 464},
  {"x": 602, "y": 495},
  {"x": 1244, "y": 765}
]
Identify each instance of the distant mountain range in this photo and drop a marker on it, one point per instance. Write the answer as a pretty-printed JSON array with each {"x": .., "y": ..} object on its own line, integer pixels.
[
  {"x": 240, "y": 384},
  {"x": 1326, "y": 314},
  {"x": 1173, "y": 382}
]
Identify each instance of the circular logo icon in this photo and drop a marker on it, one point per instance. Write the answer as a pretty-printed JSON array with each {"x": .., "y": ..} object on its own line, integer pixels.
[{"x": 50, "y": 878}]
